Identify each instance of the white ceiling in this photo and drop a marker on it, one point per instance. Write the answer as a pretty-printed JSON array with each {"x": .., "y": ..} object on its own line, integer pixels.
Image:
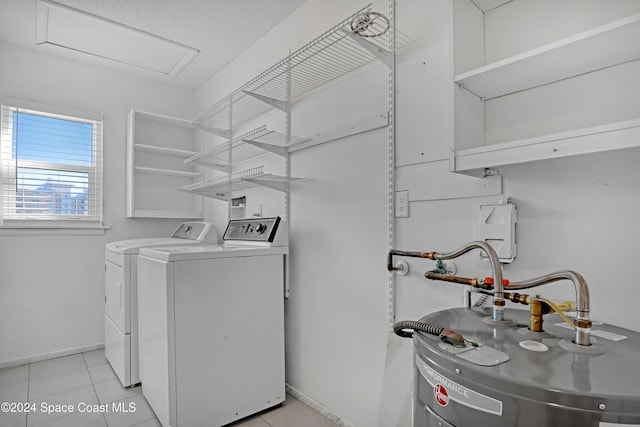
[{"x": 219, "y": 29}]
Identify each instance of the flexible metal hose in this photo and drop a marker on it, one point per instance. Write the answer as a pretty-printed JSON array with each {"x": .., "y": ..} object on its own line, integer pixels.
[
  {"x": 579, "y": 283},
  {"x": 444, "y": 334},
  {"x": 400, "y": 328},
  {"x": 496, "y": 269},
  {"x": 582, "y": 321}
]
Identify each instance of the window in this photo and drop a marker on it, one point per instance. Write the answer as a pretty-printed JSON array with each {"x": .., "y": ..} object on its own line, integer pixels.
[{"x": 51, "y": 170}]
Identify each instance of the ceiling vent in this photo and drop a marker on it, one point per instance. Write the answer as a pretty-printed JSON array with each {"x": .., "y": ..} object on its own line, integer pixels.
[{"x": 64, "y": 27}]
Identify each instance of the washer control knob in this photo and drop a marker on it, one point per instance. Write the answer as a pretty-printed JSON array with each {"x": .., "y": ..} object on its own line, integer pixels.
[{"x": 261, "y": 228}]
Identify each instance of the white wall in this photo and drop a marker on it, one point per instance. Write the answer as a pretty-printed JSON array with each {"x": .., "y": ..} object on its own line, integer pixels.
[
  {"x": 336, "y": 316},
  {"x": 52, "y": 286},
  {"x": 574, "y": 213}
]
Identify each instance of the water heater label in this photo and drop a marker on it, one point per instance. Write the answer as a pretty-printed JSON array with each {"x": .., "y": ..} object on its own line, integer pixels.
[{"x": 445, "y": 390}]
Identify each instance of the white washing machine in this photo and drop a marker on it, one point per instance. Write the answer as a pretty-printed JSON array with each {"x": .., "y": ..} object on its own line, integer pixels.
[
  {"x": 212, "y": 325},
  {"x": 121, "y": 294}
]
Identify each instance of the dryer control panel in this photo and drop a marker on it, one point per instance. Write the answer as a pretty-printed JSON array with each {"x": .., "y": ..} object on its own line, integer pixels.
[
  {"x": 196, "y": 230},
  {"x": 256, "y": 230}
]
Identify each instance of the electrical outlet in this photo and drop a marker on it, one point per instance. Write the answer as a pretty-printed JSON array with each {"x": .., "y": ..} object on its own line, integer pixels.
[{"x": 402, "y": 204}]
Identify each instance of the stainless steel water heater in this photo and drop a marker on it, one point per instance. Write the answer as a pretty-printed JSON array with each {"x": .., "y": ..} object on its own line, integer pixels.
[
  {"x": 477, "y": 366},
  {"x": 510, "y": 376}
]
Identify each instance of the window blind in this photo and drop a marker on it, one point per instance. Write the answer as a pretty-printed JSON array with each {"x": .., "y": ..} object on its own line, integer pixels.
[{"x": 50, "y": 169}]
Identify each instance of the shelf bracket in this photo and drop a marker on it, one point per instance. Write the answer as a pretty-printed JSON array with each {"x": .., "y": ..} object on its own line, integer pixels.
[
  {"x": 223, "y": 133},
  {"x": 382, "y": 54},
  {"x": 274, "y": 185},
  {"x": 276, "y": 149},
  {"x": 276, "y": 103},
  {"x": 218, "y": 166},
  {"x": 218, "y": 195},
  {"x": 224, "y": 197}
]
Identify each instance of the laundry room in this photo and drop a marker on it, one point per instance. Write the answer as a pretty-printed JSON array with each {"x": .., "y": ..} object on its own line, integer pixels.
[{"x": 279, "y": 213}]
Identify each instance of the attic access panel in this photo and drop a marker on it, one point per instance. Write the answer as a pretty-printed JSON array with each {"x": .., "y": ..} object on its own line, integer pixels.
[{"x": 64, "y": 27}]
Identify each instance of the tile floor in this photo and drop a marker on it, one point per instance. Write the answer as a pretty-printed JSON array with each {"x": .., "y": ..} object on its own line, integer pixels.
[{"x": 87, "y": 381}]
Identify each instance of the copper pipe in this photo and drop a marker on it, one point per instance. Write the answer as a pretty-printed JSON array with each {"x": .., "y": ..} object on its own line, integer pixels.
[
  {"x": 454, "y": 279},
  {"x": 452, "y": 338},
  {"x": 392, "y": 252}
]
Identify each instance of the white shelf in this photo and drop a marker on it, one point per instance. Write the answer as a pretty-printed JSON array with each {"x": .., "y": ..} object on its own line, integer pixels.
[
  {"x": 352, "y": 43},
  {"x": 156, "y": 148},
  {"x": 178, "y": 122},
  {"x": 245, "y": 147},
  {"x": 239, "y": 181},
  {"x": 581, "y": 141},
  {"x": 614, "y": 43},
  {"x": 267, "y": 140},
  {"x": 164, "y": 150},
  {"x": 169, "y": 172},
  {"x": 329, "y": 56}
]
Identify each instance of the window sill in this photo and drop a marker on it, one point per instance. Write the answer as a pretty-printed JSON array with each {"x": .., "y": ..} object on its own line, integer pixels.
[{"x": 48, "y": 229}]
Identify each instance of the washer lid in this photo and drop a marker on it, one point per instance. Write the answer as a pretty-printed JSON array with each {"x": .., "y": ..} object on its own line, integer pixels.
[
  {"x": 204, "y": 251},
  {"x": 132, "y": 246}
]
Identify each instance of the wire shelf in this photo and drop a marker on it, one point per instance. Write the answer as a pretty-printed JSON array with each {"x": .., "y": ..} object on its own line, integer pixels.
[
  {"x": 352, "y": 43},
  {"x": 244, "y": 147},
  {"x": 349, "y": 45},
  {"x": 221, "y": 188}
]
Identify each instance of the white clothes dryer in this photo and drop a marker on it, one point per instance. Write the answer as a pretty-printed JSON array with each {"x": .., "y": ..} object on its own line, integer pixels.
[
  {"x": 212, "y": 325},
  {"x": 121, "y": 294}
]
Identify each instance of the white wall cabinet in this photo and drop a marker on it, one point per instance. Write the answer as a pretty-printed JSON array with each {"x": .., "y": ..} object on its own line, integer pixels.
[
  {"x": 156, "y": 149},
  {"x": 522, "y": 95}
]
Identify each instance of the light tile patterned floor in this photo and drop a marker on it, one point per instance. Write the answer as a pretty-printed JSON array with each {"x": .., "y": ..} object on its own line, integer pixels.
[{"x": 88, "y": 379}]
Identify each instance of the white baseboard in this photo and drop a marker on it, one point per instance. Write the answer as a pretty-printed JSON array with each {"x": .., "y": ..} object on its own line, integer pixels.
[
  {"x": 53, "y": 355},
  {"x": 317, "y": 406}
]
